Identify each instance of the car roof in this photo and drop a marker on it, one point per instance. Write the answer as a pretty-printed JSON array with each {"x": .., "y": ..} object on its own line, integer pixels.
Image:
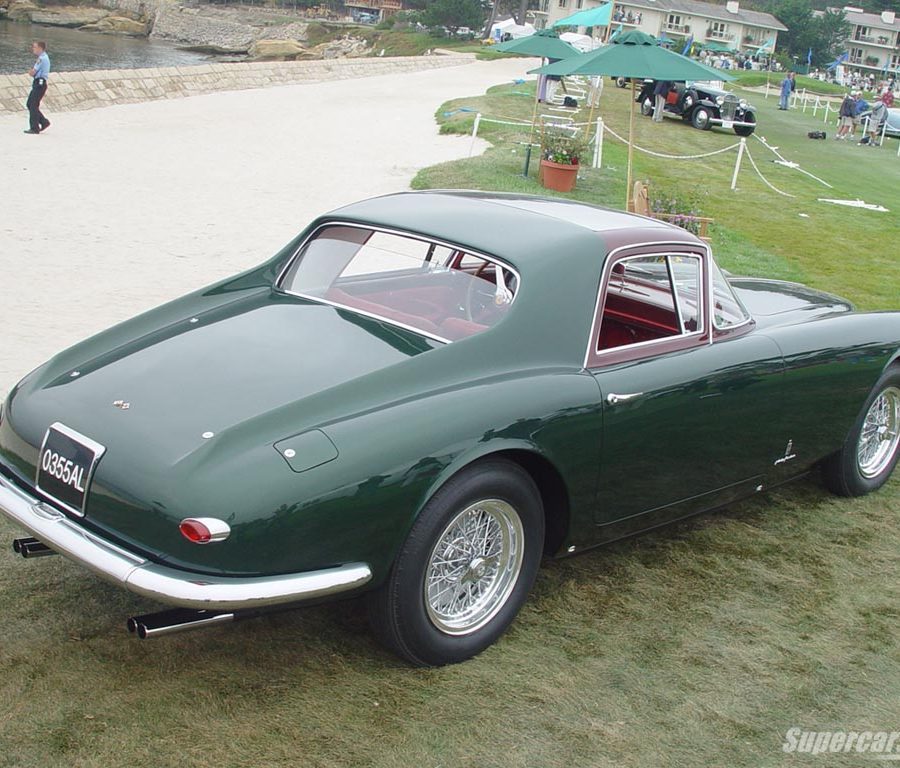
[{"x": 521, "y": 229}]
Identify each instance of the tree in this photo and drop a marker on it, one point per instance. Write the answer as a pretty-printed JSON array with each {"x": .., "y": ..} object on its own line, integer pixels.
[
  {"x": 832, "y": 31},
  {"x": 825, "y": 34},
  {"x": 453, "y": 14}
]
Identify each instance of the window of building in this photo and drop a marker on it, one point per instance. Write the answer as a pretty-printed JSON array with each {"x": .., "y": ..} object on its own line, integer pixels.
[{"x": 563, "y": 3}]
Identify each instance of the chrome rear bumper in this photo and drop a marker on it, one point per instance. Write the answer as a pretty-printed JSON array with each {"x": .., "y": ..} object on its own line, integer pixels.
[{"x": 160, "y": 582}]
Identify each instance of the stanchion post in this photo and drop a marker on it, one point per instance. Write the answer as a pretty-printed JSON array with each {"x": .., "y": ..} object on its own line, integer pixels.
[
  {"x": 767, "y": 88},
  {"x": 474, "y": 133},
  {"x": 737, "y": 164},
  {"x": 883, "y": 131},
  {"x": 598, "y": 144},
  {"x": 827, "y": 107}
]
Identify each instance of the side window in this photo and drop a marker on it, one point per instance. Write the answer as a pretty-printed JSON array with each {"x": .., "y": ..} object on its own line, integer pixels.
[
  {"x": 649, "y": 298},
  {"x": 727, "y": 311}
]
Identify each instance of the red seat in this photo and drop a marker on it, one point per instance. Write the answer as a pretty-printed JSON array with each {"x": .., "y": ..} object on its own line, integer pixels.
[
  {"x": 455, "y": 328},
  {"x": 380, "y": 310}
]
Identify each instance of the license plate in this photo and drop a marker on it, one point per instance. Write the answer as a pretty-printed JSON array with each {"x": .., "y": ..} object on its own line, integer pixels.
[
  {"x": 66, "y": 465},
  {"x": 728, "y": 123}
]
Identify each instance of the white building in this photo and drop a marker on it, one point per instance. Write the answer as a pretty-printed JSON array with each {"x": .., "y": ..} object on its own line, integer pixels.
[
  {"x": 720, "y": 26},
  {"x": 874, "y": 42}
]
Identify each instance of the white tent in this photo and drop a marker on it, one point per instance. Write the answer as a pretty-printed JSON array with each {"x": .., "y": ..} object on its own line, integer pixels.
[
  {"x": 583, "y": 43},
  {"x": 509, "y": 27}
]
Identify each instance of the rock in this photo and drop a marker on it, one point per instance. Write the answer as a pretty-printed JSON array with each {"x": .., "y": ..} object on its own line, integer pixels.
[
  {"x": 189, "y": 26},
  {"x": 119, "y": 25},
  {"x": 21, "y": 10},
  {"x": 346, "y": 47},
  {"x": 67, "y": 16},
  {"x": 276, "y": 50}
]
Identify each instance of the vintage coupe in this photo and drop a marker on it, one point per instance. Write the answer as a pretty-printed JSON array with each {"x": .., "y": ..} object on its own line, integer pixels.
[
  {"x": 420, "y": 396},
  {"x": 703, "y": 106}
]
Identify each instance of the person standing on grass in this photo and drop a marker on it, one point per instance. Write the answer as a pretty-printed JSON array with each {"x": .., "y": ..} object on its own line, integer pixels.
[
  {"x": 876, "y": 118},
  {"x": 846, "y": 113},
  {"x": 787, "y": 86},
  {"x": 39, "y": 72},
  {"x": 660, "y": 91}
]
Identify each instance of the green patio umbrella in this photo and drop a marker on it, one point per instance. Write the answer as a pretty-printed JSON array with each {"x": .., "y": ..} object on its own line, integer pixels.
[
  {"x": 545, "y": 44},
  {"x": 591, "y": 17},
  {"x": 634, "y": 55}
]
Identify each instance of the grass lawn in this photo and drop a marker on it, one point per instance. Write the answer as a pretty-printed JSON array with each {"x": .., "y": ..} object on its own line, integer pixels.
[
  {"x": 852, "y": 252},
  {"x": 698, "y": 645}
]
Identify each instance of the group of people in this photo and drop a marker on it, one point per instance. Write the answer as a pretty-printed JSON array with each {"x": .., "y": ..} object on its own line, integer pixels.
[
  {"x": 854, "y": 109},
  {"x": 628, "y": 18}
]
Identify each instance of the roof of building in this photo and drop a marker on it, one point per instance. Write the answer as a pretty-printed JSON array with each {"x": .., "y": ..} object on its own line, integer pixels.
[
  {"x": 711, "y": 11},
  {"x": 868, "y": 19}
]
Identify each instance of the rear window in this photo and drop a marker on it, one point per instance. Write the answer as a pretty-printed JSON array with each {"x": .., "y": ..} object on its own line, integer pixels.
[{"x": 432, "y": 288}]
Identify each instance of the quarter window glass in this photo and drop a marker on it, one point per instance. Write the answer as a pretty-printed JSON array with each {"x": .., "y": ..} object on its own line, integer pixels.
[
  {"x": 727, "y": 308},
  {"x": 650, "y": 298},
  {"x": 686, "y": 275}
]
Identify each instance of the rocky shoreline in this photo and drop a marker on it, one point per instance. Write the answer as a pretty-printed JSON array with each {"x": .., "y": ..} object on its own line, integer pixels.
[{"x": 251, "y": 34}]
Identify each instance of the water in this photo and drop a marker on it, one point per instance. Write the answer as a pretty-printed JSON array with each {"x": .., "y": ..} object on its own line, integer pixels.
[{"x": 71, "y": 50}]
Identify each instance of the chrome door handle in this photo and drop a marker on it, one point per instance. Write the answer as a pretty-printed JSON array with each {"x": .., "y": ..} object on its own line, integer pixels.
[{"x": 613, "y": 399}]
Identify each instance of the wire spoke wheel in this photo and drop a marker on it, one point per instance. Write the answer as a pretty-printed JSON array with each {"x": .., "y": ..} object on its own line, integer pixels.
[
  {"x": 880, "y": 434},
  {"x": 474, "y": 567}
]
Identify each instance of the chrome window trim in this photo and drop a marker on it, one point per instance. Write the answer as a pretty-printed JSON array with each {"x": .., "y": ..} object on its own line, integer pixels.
[
  {"x": 277, "y": 285},
  {"x": 679, "y": 249}
]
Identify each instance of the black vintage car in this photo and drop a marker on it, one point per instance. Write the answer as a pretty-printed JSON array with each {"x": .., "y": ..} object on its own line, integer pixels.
[{"x": 703, "y": 106}]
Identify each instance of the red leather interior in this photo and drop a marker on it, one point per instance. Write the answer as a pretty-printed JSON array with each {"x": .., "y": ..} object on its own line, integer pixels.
[
  {"x": 416, "y": 321},
  {"x": 455, "y": 328}
]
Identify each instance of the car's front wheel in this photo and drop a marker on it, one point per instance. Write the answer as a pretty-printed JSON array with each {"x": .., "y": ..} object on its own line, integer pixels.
[
  {"x": 701, "y": 118},
  {"x": 465, "y": 569},
  {"x": 746, "y": 130},
  {"x": 646, "y": 107},
  {"x": 870, "y": 453}
]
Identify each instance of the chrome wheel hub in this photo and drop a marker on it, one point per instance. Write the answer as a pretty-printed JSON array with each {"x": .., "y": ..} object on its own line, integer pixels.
[
  {"x": 474, "y": 567},
  {"x": 880, "y": 434}
]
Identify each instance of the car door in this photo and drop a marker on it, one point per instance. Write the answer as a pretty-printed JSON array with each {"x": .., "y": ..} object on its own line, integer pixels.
[{"x": 690, "y": 410}]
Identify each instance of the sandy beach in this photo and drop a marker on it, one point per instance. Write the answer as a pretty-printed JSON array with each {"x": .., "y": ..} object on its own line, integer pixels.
[{"x": 118, "y": 209}]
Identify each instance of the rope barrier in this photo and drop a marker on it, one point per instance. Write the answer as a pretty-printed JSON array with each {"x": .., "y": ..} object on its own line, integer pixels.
[
  {"x": 672, "y": 157},
  {"x": 765, "y": 180},
  {"x": 790, "y": 164}
]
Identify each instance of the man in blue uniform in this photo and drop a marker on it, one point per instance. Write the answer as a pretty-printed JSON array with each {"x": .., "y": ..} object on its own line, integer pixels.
[{"x": 40, "y": 72}]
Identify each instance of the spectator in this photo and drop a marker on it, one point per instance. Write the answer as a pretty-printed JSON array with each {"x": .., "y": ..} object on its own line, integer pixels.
[
  {"x": 660, "y": 91},
  {"x": 848, "y": 107},
  {"x": 888, "y": 97},
  {"x": 876, "y": 118},
  {"x": 787, "y": 86}
]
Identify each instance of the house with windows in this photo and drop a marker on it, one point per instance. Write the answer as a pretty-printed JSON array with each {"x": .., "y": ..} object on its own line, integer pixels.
[
  {"x": 874, "y": 42},
  {"x": 720, "y": 27}
]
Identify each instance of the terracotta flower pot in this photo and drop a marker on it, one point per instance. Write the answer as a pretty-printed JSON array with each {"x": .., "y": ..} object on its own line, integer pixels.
[{"x": 558, "y": 176}]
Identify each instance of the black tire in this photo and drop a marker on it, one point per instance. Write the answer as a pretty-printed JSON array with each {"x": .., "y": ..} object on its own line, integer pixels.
[
  {"x": 688, "y": 101},
  {"x": 701, "y": 118},
  {"x": 621, "y": 82},
  {"x": 646, "y": 108},
  {"x": 746, "y": 130},
  {"x": 398, "y": 611},
  {"x": 843, "y": 473}
]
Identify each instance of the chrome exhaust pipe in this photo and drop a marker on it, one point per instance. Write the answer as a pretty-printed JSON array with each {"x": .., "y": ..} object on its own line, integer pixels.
[
  {"x": 32, "y": 548},
  {"x": 175, "y": 620}
]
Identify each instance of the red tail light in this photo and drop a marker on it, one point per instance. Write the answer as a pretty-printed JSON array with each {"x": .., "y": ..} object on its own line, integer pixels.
[{"x": 204, "y": 530}]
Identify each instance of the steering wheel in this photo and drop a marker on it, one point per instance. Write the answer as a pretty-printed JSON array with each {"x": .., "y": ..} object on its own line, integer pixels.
[{"x": 483, "y": 299}]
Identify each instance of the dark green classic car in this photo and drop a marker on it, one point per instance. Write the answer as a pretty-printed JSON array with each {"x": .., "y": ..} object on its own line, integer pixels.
[{"x": 423, "y": 394}]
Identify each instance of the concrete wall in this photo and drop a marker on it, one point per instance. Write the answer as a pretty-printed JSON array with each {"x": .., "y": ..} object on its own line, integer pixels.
[{"x": 85, "y": 90}]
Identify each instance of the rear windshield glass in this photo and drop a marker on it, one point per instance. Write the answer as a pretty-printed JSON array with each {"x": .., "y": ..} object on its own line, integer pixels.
[{"x": 435, "y": 289}]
